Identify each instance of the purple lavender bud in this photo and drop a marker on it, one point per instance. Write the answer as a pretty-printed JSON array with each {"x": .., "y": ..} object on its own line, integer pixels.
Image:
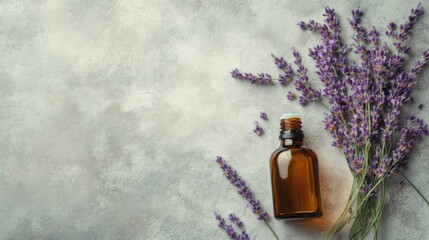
[
  {"x": 313, "y": 26},
  {"x": 283, "y": 79},
  {"x": 263, "y": 216},
  {"x": 231, "y": 233},
  {"x": 280, "y": 62},
  {"x": 290, "y": 95},
  {"x": 416, "y": 12},
  {"x": 244, "y": 236},
  {"x": 222, "y": 223},
  {"x": 418, "y": 67},
  {"x": 302, "y": 100},
  {"x": 301, "y": 82},
  {"x": 302, "y": 25},
  {"x": 357, "y": 13},
  {"x": 374, "y": 36},
  {"x": 258, "y": 129},
  {"x": 330, "y": 123},
  {"x": 358, "y": 163},
  {"x": 287, "y": 71},
  {"x": 263, "y": 116},
  {"x": 410, "y": 119},
  {"x": 383, "y": 166},
  {"x": 366, "y": 188},
  {"x": 391, "y": 27},
  {"x": 236, "y": 74},
  {"x": 233, "y": 218},
  {"x": 243, "y": 189},
  {"x": 362, "y": 35},
  {"x": 228, "y": 228},
  {"x": 251, "y": 78},
  {"x": 405, "y": 28},
  {"x": 425, "y": 55},
  {"x": 264, "y": 78}
]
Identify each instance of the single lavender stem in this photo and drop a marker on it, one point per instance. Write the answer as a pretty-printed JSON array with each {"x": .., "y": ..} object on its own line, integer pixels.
[
  {"x": 409, "y": 181},
  {"x": 274, "y": 233},
  {"x": 243, "y": 189}
]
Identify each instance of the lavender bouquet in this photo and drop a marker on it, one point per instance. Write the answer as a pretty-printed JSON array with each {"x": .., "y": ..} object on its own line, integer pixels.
[{"x": 364, "y": 100}]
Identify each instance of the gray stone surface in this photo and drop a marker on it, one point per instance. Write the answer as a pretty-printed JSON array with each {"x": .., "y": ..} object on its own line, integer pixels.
[{"x": 112, "y": 114}]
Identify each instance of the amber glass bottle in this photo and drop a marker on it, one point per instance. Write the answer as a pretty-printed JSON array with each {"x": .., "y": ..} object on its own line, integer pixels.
[{"x": 294, "y": 174}]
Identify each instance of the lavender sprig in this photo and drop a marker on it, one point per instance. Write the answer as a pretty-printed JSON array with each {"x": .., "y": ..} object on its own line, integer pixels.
[
  {"x": 243, "y": 189},
  {"x": 261, "y": 78},
  {"x": 287, "y": 72},
  {"x": 247, "y": 194},
  {"x": 290, "y": 96},
  {"x": 308, "y": 93},
  {"x": 263, "y": 115},
  {"x": 229, "y": 229},
  {"x": 258, "y": 129}
]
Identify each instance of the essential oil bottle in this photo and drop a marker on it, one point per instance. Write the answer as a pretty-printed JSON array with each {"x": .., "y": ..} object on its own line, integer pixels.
[{"x": 294, "y": 174}]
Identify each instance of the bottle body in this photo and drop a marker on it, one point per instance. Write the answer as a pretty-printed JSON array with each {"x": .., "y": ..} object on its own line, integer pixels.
[
  {"x": 295, "y": 183},
  {"x": 294, "y": 174}
]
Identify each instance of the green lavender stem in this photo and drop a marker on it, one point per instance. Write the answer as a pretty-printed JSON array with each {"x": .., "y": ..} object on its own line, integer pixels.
[
  {"x": 343, "y": 219},
  {"x": 418, "y": 191},
  {"x": 274, "y": 233}
]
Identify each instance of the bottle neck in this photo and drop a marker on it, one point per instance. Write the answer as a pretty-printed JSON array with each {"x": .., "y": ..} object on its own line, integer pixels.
[
  {"x": 288, "y": 142},
  {"x": 291, "y": 133}
]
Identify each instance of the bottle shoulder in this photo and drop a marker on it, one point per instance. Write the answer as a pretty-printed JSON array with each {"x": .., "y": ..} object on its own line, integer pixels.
[{"x": 294, "y": 151}]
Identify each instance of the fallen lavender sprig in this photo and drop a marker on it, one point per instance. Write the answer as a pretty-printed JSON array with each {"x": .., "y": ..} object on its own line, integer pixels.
[
  {"x": 290, "y": 96},
  {"x": 263, "y": 116},
  {"x": 258, "y": 129},
  {"x": 364, "y": 100},
  {"x": 245, "y": 192},
  {"x": 243, "y": 189},
  {"x": 229, "y": 229}
]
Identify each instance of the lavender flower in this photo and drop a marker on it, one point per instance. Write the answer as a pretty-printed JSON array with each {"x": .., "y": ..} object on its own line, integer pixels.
[
  {"x": 418, "y": 67},
  {"x": 264, "y": 78},
  {"x": 405, "y": 29},
  {"x": 308, "y": 93},
  {"x": 263, "y": 116},
  {"x": 243, "y": 189},
  {"x": 374, "y": 36},
  {"x": 290, "y": 95},
  {"x": 229, "y": 229},
  {"x": 302, "y": 25},
  {"x": 391, "y": 27},
  {"x": 287, "y": 72},
  {"x": 261, "y": 78},
  {"x": 258, "y": 129},
  {"x": 366, "y": 188},
  {"x": 233, "y": 218}
]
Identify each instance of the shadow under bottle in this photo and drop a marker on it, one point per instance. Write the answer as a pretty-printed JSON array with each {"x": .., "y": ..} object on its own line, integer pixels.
[{"x": 294, "y": 174}]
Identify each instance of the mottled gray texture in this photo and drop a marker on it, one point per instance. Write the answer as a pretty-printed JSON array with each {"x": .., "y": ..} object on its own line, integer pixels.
[{"x": 112, "y": 114}]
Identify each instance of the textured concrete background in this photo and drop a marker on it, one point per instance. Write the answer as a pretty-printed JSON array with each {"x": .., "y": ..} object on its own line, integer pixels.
[{"x": 112, "y": 114}]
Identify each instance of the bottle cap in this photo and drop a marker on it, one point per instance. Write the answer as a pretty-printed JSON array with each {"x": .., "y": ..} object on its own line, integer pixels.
[{"x": 289, "y": 115}]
